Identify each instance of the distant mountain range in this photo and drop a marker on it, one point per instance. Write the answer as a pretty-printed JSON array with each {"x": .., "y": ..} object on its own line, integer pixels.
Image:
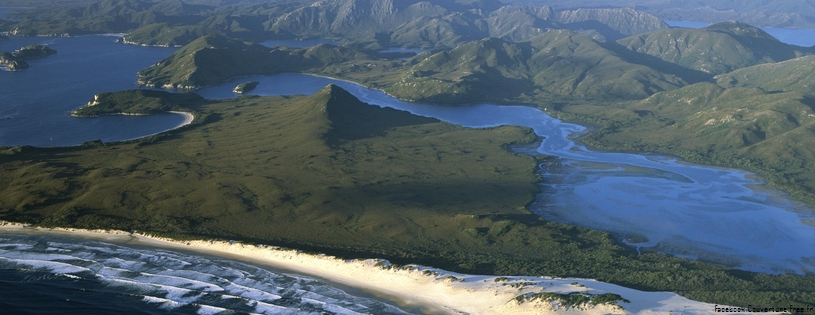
[
  {"x": 371, "y": 23},
  {"x": 779, "y": 13},
  {"x": 555, "y": 64}
]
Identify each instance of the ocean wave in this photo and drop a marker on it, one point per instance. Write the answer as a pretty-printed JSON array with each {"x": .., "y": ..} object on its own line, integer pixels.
[{"x": 181, "y": 282}]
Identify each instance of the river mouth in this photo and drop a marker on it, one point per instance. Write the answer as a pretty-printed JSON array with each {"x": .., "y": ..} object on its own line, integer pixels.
[{"x": 653, "y": 203}]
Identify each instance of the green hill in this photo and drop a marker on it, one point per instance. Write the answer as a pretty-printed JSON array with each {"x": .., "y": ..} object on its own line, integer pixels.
[
  {"x": 214, "y": 59},
  {"x": 715, "y": 49},
  {"x": 792, "y": 75},
  {"x": 555, "y": 64}
]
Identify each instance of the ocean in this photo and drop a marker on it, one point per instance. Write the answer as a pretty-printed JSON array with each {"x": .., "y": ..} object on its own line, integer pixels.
[{"x": 49, "y": 274}]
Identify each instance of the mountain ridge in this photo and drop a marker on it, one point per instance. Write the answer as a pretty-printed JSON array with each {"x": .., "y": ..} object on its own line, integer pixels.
[{"x": 715, "y": 49}]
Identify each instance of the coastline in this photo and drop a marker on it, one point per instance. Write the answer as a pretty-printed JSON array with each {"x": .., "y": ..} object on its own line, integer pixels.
[
  {"x": 430, "y": 289},
  {"x": 188, "y": 118}
]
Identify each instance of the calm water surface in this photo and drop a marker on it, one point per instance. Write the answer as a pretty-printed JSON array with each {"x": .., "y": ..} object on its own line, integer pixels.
[{"x": 35, "y": 102}]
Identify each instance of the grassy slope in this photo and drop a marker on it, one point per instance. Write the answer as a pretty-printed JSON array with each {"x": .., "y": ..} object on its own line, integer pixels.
[{"x": 328, "y": 173}]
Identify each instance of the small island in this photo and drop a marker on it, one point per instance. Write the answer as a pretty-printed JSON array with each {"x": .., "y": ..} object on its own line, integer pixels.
[
  {"x": 12, "y": 63},
  {"x": 245, "y": 87},
  {"x": 17, "y": 60}
]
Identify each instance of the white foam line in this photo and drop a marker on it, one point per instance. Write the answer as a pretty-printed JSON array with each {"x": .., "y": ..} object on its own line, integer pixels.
[{"x": 438, "y": 291}]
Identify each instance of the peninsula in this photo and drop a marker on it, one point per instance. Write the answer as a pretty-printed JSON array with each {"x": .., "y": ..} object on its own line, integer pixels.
[{"x": 17, "y": 60}]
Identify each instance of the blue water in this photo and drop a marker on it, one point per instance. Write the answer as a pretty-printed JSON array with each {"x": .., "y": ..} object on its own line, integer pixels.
[
  {"x": 794, "y": 36},
  {"x": 35, "y": 103}
]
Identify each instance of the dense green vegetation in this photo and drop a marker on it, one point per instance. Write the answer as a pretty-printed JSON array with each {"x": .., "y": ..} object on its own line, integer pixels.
[
  {"x": 573, "y": 299},
  {"x": 138, "y": 102},
  {"x": 327, "y": 173}
]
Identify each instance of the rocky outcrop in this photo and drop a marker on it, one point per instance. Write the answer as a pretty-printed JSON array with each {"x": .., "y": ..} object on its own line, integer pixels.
[
  {"x": 245, "y": 87},
  {"x": 16, "y": 60},
  {"x": 12, "y": 63}
]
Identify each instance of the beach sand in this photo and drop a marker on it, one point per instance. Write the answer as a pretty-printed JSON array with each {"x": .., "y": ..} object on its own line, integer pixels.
[
  {"x": 188, "y": 118},
  {"x": 432, "y": 290}
]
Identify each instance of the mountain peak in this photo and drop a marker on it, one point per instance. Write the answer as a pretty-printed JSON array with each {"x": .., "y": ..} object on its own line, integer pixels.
[
  {"x": 351, "y": 119},
  {"x": 332, "y": 93}
]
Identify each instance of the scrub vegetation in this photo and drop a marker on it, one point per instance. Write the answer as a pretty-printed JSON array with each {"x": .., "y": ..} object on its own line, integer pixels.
[{"x": 327, "y": 173}]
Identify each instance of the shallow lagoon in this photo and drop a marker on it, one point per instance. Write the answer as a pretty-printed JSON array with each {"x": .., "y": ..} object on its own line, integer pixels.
[{"x": 706, "y": 213}]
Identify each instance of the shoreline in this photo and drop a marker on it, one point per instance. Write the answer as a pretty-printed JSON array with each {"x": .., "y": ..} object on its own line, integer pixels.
[
  {"x": 188, "y": 118},
  {"x": 419, "y": 287}
]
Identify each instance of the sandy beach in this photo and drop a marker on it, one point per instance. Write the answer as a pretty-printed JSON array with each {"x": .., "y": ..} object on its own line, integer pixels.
[
  {"x": 433, "y": 290},
  {"x": 188, "y": 118}
]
